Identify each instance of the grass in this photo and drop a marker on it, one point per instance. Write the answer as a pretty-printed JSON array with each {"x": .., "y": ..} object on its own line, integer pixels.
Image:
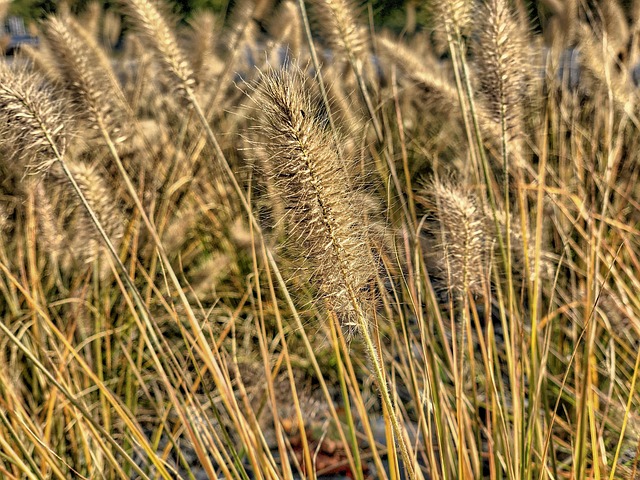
[{"x": 314, "y": 249}]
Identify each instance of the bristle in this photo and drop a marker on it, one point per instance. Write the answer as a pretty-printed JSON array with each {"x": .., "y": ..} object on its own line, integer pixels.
[
  {"x": 84, "y": 76},
  {"x": 462, "y": 239},
  {"x": 157, "y": 33},
  {"x": 40, "y": 59},
  {"x": 325, "y": 229},
  {"x": 500, "y": 53},
  {"x": 339, "y": 26},
  {"x": 33, "y": 125},
  {"x": 344, "y": 105}
]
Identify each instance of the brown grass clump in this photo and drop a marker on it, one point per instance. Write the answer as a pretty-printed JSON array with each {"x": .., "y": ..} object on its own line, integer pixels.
[{"x": 324, "y": 230}]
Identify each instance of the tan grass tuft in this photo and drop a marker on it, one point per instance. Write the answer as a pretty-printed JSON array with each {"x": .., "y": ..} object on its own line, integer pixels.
[
  {"x": 49, "y": 231},
  {"x": 426, "y": 73},
  {"x": 91, "y": 18},
  {"x": 325, "y": 228},
  {"x": 33, "y": 124}
]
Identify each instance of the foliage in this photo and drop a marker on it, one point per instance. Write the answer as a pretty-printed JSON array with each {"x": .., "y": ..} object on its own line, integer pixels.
[{"x": 234, "y": 249}]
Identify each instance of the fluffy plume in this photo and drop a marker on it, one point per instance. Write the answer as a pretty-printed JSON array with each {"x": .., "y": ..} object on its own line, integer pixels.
[
  {"x": 428, "y": 76},
  {"x": 325, "y": 228},
  {"x": 462, "y": 242},
  {"x": 4, "y": 219},
  {"x": 337, "y": 21},
  {"x": 111, "y": 28},
  {"x": 41, "y": 59},
  {"x": 32, "y": 122},
  {"x": 202, "y": 41},
  {"x": 158, "y": 35},
  {"x": 286, "y": 27},
  {"x": 81, "y": 69},
  {"x": 599, "y": 57},
  {"x": 83, "y": 239},
  {"x": 453, "y": 15},
  {"x": 91, "y": 18},
  {"x": 50, "y": 232},
  {"x": 500, "y": 52},
  {"x": 240, "y": 25}
]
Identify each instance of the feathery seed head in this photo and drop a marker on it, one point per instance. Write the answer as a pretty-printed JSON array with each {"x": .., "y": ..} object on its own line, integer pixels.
[
  {"x": 327, "y": 232},
  {"x": 428, "y": 75},
  {"x": 453, "y": 15},
  {"x": 500, "y": 52},
  {"x": 33, "y": 124},
  {"x": 84, "y": 240},
  {"x": 155, "y": 30},
  {"x": 463, "y": 242},
  {"x": 338, "y": 23},
  {"x": 202, "y": 41},
  {"x": 50, "y": 232},
  {"x": 82, "y": 74},
  {"x": 286, "y": 27}
]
